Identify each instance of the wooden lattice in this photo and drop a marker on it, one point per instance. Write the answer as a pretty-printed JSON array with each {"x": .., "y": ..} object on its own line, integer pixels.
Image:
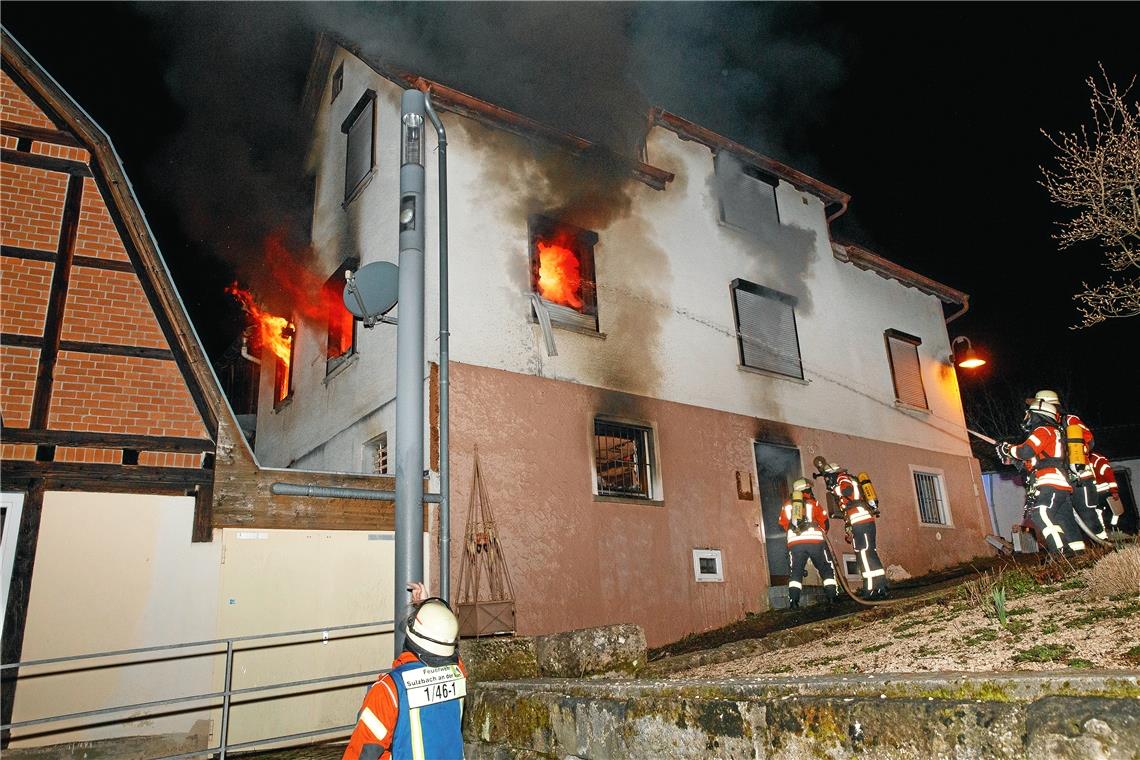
[{"x": 486, "y": 601}]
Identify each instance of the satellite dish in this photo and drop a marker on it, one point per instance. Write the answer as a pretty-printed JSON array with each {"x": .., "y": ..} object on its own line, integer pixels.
[{"x": 372, "y": 290}]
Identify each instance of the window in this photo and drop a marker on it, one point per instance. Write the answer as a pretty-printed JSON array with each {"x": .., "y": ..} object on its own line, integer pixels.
[
  {"x": 623, "y": 457},
  {"x": 851, "y": 567},
  {"x": 747, "y": 195},
  {"x": 562, "y": 271},
  {"x": 929, "y": 491},
  {"x": 906, "y": 371},
  {"x": 360, "y": 160},
  {"x": 707, "y": 566},
  {"x": 338, "y": 81},
  {"x": 376, "y": 452},
  {"x": 766, "y": 329},
  {"x": 283, "y": 365},
  {"x": 341, "y": 324}
]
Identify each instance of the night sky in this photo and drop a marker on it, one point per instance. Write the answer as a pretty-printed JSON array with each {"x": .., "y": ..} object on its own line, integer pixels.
[{"x": 929, "y": 115}]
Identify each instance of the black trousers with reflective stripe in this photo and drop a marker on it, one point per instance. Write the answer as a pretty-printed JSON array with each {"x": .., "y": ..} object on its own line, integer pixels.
[
  {"x": 1052, "y": 514},
  {"x": 863, "y": 538},
  {"x": 798, "y": 555}
]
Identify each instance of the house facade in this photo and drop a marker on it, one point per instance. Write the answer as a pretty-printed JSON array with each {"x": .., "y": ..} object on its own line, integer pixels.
[{"x": 707, "y": 340}]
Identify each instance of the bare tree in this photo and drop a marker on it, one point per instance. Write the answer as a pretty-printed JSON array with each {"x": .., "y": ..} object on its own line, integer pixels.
[{"x": 1098, "y": 178}]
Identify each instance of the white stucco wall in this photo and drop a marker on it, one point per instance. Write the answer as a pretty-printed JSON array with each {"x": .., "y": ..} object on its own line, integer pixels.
[{"x": 665, "y": 311}]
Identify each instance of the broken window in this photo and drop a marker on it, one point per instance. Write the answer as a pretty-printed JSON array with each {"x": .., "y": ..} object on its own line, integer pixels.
[
  {"x": 562, "y": 271},
  {"x": 360, "y": 159},
  {"x": 337, "y": 81},
  {"x": 623, "y": 457},
  {"x": 377, "y": 454},
  {"x": 341, "y": 323},
  {"x": 283, "y": 349},
  {"x": 906, "y": 371},
  {"x": 929, "y": 491},
  {"x": 747, "y": 194},
  {"x": 766, "y": 329}
]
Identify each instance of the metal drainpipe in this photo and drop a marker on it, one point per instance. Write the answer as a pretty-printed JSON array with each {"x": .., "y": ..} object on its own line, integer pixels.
[{"x": 444, "y": 367}]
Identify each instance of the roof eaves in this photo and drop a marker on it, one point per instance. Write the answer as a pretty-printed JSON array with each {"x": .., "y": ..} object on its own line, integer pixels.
[
  {"x": 688, "y": 130},
  {"x": 866, "y": 260}
]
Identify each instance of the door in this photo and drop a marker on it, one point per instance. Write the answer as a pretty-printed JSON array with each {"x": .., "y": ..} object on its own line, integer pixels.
[
  {"x": 11, "y": 504},
  {"x": 777, "y": 467}
]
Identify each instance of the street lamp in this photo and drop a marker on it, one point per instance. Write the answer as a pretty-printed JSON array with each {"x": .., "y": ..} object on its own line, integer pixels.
[{"x": 964, "y": 355}]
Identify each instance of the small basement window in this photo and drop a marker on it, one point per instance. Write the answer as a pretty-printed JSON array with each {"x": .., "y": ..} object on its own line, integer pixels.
[
  {"x": 906, "y": 370},
  {"x": 623, "y": 459},
  {"x": 930, "y": 494},
  {"x": 766, "y": 333},
  {"x": 707, "y": 567},
  {"x": 341, "y": 343},
  {"x": 360, "y": 157},
  {"x": 562, "y": 271},
  {"x": 376, "y": 451}
]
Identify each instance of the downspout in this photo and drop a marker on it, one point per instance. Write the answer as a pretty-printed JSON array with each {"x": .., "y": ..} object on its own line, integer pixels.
[
  {"x": 245, "y": 354},
  {"x": 444, "y": 366},
  {"x": 960, "y": 312}
]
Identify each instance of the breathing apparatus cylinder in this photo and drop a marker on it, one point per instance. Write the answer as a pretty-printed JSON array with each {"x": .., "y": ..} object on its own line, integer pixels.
[
  {"x": 868, "y": 490},
  {"x": 798, "y": 512},
  {"x": 1075, "y": 440}
]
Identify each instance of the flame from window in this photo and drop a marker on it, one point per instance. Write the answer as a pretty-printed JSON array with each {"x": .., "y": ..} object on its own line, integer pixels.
[
  {"x": 269, "y": 331},
  {"x": 559, "y": 274}
]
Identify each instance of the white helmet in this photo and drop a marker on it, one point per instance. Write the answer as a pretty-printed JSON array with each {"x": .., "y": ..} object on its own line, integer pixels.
[
  {"x": 434, "y": 628},
  {"x": 1045, "y": 395},
  {"x": 1045, "y": 409},
  {"x": 801, "y": 485}
]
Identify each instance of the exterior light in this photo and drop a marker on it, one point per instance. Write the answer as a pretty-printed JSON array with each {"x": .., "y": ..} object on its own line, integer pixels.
[
  {"x": 412, "y": 150},
  {"x": 964, "y": 355}
]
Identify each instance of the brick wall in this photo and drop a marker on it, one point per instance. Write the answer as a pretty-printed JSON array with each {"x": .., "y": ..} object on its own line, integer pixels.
[{"x": 92, "y": 392}]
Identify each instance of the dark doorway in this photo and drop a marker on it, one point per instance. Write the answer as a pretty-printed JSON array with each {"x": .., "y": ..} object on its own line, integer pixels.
[{"x": 776, "y": 467}]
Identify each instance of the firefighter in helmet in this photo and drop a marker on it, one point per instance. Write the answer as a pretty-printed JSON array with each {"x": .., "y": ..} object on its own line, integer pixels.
[
  {"x": 1047, "y": 481},
  {"x": 1080, "y": 471},
  {"x": 806, "y": 524},
  {"x": 414, "y": 711},
  {"x": 859, "y": 525}
]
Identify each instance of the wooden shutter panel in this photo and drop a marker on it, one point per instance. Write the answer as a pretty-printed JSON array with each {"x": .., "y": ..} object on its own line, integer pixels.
[
  {"x": 766, "y": 327},
  {"x": 907, "y": 372}
]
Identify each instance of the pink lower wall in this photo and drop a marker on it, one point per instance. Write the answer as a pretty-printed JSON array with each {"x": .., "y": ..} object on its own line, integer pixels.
[{"x": 577, "y": 561}]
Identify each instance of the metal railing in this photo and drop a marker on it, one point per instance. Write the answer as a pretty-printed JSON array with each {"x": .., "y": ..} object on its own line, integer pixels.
[{"x": 208, "y": 700}]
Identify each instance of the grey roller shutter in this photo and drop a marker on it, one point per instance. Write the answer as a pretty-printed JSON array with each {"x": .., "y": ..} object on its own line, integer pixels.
[
  {"x": 907, "y": 372},
  {"x": 766, "y": 329}
]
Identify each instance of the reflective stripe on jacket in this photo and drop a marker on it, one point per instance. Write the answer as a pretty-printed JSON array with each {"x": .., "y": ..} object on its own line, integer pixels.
[
  {"x": 851, "y": 499},
  {"x": 815, "y": 523},
  {"x": 1045, "y": 449}
]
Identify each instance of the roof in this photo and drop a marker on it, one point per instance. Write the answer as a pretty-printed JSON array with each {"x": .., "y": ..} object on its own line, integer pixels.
[{"x": 865, "y": 259}]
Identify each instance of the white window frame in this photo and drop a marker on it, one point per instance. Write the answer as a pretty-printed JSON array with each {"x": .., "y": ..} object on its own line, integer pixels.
[
  {"x": 656, "y": 490},
  {"x": 939, "y": 476},
  {"x": 371, "y": 446},
  {"x": 713, "y": 554},
  {"x": 851, "y": 561}
]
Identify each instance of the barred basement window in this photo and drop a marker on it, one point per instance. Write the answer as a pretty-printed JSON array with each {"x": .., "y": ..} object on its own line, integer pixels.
[
  {"x": 929, "y": 491},
  {"x": 766, "y": 329},
  {"x": 906, "y": 370},
  {"x": 341, "y": 324},
  {"x": 360, "y": 158},
  {"x": 377, "y": 450},
  {"x": 623, "y": 456}
]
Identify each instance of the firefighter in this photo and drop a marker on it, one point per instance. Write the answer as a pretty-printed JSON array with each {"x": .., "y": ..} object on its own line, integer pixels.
[
  {"x": 1078, "y": 453},
  {"x": 1107, "y": 489},
  {"x": 806, "y": 524},
  {"x": 859, "y": 527},
  {"x": 414, "y": 711},
  {"x": 1042, "y": 454}
]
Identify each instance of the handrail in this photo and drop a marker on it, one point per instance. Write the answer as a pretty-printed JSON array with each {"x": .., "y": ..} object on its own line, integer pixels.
[{"x": 225, "y": 694}]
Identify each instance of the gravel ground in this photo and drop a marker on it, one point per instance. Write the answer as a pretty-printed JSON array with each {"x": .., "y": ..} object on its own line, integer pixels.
[{"x": 1047, "y": 627}]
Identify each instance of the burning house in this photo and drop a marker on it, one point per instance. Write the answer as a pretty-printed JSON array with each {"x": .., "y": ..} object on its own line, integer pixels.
[{"x": 645, "y": 351}]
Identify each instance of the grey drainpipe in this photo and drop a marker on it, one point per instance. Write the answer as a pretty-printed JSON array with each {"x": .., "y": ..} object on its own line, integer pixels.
[
  {"x": 960, "y": 312},
  {"x": 444, "y": 367}
]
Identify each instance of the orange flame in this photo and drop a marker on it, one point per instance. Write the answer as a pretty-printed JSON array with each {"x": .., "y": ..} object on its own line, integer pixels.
[
  {"x": 270, "y": 331},
  {"x": 559, "y": 277}
]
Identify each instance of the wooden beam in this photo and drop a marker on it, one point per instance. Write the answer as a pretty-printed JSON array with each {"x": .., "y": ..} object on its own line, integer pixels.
[
  {"x": 96, "y": 440},
  {"x": 203, "y": 530},
  {"x": 23, "y": 341},
  {"x": 116, "y": 478},
  {"x": 114, "y": 349},
  {"x": 57, "y": 298},
  {"x": 97, "y": 263},
  {"x": 19, "y": 592},
  {"x": 39, "y": 134},
  {"x": 48, "y": 163},
  {"x": 17, "y": 252}
]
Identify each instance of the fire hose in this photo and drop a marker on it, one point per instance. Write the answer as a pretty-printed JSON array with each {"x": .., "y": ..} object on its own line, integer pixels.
[{"x": 841, "y": 577}]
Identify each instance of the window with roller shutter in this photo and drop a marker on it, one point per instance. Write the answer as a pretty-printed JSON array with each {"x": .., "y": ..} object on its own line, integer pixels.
[
  {"x": 766, "y": 329},
  {"x": 906, "y": 371}
]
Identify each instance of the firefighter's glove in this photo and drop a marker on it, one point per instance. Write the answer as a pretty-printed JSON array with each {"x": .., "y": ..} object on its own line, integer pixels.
[{"x": 1004, "y": 452}]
